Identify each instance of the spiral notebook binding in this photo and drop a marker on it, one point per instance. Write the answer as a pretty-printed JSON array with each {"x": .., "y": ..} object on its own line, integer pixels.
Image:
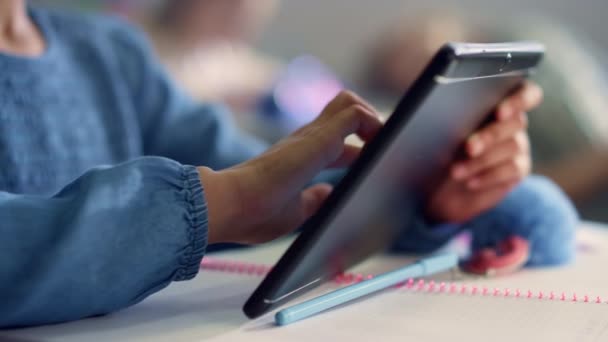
[{"x": 413, "y": 285}]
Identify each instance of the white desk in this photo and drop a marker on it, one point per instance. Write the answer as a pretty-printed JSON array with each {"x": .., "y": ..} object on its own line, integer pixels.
[{"x": 210, "y": 305}]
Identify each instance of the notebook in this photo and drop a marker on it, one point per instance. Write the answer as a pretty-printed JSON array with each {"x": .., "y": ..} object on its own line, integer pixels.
[{"x": 555, "y": 304}]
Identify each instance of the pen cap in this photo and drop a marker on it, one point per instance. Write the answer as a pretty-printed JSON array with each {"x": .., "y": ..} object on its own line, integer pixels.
[{"x": 439, "y": 263}]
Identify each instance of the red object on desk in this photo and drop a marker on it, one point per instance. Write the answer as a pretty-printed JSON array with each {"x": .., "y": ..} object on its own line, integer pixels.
[{"x": 509, "y": 256}]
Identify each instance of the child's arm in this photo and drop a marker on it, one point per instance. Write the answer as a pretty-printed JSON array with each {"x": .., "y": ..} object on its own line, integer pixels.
[{"x": 106, "y": 241}]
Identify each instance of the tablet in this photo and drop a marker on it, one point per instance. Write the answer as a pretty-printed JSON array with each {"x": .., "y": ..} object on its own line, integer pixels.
[{"x": 388, "y": 184}]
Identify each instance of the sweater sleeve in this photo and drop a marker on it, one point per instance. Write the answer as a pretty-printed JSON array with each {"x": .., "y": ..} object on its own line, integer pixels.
[
  {"x": 173, "y": 125},
  {"x": 106, "y": 241}
]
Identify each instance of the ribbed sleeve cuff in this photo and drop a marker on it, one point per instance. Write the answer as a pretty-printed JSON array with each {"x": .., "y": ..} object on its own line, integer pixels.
[{"x": 197, "y": 219}]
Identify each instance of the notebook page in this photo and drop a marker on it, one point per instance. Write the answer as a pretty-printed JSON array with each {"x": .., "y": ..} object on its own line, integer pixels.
[{"x": 407, "y": 316}]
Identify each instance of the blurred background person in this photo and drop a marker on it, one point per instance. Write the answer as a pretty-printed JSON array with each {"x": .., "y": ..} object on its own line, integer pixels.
[
  {"x": 209, "y": 48},
  {"x": 569, "y": 131}
]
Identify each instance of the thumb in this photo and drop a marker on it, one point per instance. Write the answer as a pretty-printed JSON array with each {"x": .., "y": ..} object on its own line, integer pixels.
[
  {"x": 303, "y": 206},
  {"x": 293, "y": 215},
  {"x": 312, "y": 198}
]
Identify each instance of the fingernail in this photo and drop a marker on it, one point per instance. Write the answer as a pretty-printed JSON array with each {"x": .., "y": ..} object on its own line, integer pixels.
[{"x": 459, "y": 172}]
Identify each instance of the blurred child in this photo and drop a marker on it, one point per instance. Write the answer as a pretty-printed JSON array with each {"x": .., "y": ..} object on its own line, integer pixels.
[{"x": 206, "y": 47}]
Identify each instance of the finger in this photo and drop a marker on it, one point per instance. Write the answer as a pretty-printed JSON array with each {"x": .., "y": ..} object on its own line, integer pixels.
[
  {"x": 359, "y": 120},
  {"x": 492, "y": 157},
  {"x": 343, "y": 100},
  {"x": 348, "y": 156},
  {"x": 312, "y": 199},
  {"x": 528, "y": 97},
  {"x": 325, "y": 139},
  {"x": 507, "y": 172},
  {"x": 497, "y": 132}
]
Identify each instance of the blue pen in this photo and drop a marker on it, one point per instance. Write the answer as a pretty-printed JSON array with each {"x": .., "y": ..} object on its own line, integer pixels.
[{"x": 421, "y": 268}]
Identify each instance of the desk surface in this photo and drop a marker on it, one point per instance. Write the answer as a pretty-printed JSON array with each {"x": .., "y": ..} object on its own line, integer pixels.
[{"x": 210, "y": 305}]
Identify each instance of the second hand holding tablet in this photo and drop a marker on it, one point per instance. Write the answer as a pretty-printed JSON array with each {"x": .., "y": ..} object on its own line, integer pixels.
[{"x": 421, "y": 268}]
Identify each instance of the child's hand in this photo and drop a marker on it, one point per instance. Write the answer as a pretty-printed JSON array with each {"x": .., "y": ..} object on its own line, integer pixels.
[
  {"x": 265, "y": 197},
  {"x": 498, "y": 159}
]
